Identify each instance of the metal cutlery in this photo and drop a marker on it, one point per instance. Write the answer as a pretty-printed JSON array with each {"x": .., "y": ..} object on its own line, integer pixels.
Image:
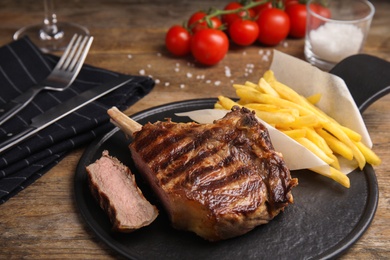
[
  {"x": 56, "y": 113},
  {"x": 62, "y": 76}
]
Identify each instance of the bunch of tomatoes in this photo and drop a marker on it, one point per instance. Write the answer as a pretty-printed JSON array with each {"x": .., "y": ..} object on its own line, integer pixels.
[{"x": 206, "y": 34}]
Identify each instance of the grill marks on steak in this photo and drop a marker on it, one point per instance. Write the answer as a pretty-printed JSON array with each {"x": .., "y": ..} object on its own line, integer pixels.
[{"x": 219, "y": 180}]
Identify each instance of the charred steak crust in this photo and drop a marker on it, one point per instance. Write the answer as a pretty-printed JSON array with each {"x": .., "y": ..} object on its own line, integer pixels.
[
  {"x": 114, "y": 187},
  {"x": 218, "y": 180}
]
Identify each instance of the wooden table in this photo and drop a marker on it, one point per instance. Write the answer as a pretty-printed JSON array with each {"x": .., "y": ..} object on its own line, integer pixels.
[{"x": 43, "y": 221}]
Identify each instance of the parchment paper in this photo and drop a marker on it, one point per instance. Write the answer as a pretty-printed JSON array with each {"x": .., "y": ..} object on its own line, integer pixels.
[{"x": 307, "y": 80}]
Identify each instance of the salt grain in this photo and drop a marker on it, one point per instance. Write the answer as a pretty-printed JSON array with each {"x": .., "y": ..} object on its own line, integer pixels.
[
  {"x": 228, "y": 72},
  {"x": 166, "y": 84},
  {"x": 176, "y": 69},
  {"x": 189, "y": 75},
  {"x": 217, "y": 83},
  {"x": 346, "y": 40},
  {"x": 182, "y": 86},
  {"x": 158, "y": 54},
  {"x": 142, "y": 72},
  {"x": 129, "y": 56}
]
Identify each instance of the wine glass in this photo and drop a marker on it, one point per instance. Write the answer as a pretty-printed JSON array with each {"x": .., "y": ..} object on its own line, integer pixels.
[{"x": 51, "y": 35}]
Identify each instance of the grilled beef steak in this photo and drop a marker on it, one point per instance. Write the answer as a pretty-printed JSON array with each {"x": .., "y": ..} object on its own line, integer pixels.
[
  {"x": 114, "y": 187},
  {"x": 218, "y": 180}
]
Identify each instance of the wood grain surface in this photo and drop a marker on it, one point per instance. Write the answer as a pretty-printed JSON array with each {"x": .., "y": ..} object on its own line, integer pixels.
[{"x": 42, "y": 222}]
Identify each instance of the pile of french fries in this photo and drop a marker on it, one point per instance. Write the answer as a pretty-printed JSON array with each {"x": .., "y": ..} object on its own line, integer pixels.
[{"x": 299, "y": 118}]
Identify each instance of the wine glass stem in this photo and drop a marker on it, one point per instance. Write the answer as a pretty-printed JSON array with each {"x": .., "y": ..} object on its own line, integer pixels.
[{"x": 50, "y": 28}]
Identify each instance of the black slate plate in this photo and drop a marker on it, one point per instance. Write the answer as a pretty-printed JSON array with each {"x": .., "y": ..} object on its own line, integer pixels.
[{"x": 325, "y": 220}]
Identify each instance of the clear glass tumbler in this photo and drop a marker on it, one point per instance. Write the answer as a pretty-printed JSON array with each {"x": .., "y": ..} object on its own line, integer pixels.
[{"x": 336, "y": 29}]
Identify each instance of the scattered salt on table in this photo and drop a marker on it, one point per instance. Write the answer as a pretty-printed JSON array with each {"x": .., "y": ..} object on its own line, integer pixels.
[
  {"x": 346, "y": 41},
  {"x": 227, "y": 72}
]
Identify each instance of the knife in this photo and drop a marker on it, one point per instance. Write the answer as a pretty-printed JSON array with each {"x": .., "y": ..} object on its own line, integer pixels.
[{"x": 56, "y": 113}]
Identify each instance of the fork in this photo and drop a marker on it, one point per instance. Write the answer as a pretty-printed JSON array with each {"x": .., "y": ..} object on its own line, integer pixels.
[{"x": 62, "y": 76}]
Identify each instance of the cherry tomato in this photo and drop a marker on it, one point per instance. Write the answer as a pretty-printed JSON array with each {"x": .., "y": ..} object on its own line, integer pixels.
[
  {"x": 320, "y": 10},
  {"x": 178, "y": 40},
  {"x": 297, "y": 14},
  {"x": 244, "y": 32},
  {"x": 274, "y": 25},
  {"x": 209, "y": 46},
  {"x": 197, "y": 26},
  {"x": 288, "y": 2},
  {"x": 228, "y": 19},
  {"x": 259, "y": 8}
]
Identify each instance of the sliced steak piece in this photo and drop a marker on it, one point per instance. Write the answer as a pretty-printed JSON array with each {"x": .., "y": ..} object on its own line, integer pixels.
[
  {"x": 114, "y": 187},
  {"x": 218, "y": 180}
]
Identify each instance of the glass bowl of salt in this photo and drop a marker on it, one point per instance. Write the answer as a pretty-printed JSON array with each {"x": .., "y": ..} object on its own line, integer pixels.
[{"x": 336, "y": 29}]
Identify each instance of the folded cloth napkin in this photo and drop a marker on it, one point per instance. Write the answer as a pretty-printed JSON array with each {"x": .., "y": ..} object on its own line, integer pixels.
[{"x": 22, "y": 65}]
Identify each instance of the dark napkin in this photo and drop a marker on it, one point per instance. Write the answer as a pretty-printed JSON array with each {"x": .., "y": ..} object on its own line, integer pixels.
[{"x": 22, "y": 65}]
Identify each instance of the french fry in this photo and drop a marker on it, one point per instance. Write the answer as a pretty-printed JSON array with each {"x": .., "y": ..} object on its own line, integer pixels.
[
  {"x": 299, "y": 118},
  {"x": 266, "y": 88},
  {"x": 275, "y": 118},
  {"x": 314, "y": 149},
  {"x": 351, "y": 134},
  {"x": 335, "y": 163},
  {"x": 272, "y": 108},
  {"x": 288, "y": 93},
  {"x": 337, "y": 176},
  {"x": 227, "y": 103},
  {"x": 269, "y": 76},
  {"x": 295, "y": 133},
  {"x": 302, "y": 121},
  {"x": 263, "y": 107},
  {"x": 251, "y": 85},
  {"x": 218, "y": 106},
  {"x": 314, "y": 99},
  {"x": 370, "y": 156},
  {"x": 313, "y": 136},
  {"x": 237, "y": 86},
  {"x": 255, "y": 96},
  {"x": 336, "y": 145},
  {"x": 342, "y": 136}
]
